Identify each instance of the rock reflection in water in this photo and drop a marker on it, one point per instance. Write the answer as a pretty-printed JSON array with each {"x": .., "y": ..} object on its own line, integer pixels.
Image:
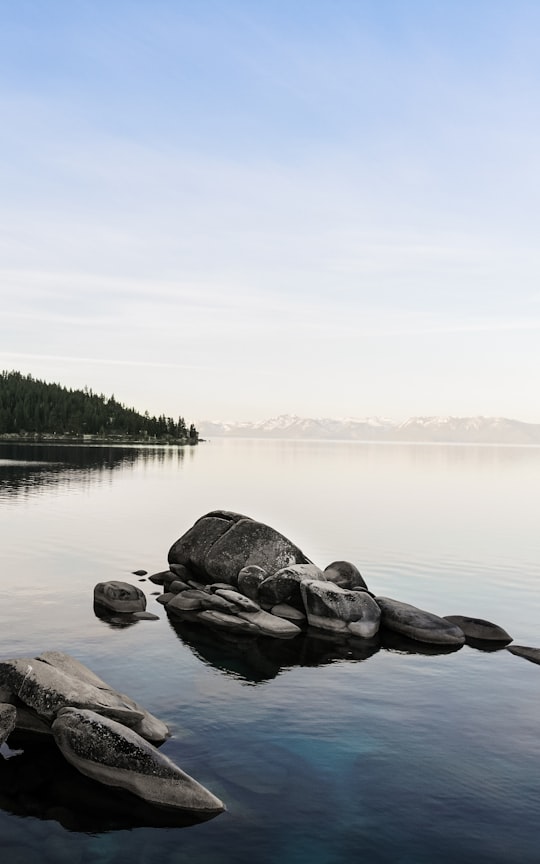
[
  {"x": 257, "y": 659},
  {"x": 40, "y": 783},
  {"x": 114, "y": 619}
]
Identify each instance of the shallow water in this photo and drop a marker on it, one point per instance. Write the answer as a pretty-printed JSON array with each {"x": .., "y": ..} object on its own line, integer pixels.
[{"x": 323, "y": 753}]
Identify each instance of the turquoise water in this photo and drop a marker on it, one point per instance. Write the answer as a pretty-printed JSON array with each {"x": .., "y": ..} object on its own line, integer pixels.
[{"x": 322, "y": 752}]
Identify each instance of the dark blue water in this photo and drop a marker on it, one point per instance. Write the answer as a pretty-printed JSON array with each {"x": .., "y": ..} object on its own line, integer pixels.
[{"x": 322, "y": 752}]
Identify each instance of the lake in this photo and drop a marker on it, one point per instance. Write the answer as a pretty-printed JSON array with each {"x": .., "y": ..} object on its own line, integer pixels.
[{"x": 323, "y": 754}]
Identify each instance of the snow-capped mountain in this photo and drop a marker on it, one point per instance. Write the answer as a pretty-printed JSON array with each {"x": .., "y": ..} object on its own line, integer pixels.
[{"x": 454, "y": 430}]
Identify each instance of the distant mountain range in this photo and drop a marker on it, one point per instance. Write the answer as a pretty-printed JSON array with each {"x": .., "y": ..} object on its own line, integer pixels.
[{"x": 451, "y": 430}]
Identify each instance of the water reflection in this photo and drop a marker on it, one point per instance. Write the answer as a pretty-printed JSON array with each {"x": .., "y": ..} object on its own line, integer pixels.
[
  {"x": 29, "y": 468},
  {"x": 41, "y": 784},
  {"x": 257, "y": 659}
]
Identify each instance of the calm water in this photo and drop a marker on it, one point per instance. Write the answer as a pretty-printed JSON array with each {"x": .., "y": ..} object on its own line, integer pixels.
[{"x": 323, "y": 753}]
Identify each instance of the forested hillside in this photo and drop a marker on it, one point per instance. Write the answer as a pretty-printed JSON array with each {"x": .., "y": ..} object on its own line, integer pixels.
[{"x": 32, "y": 407}]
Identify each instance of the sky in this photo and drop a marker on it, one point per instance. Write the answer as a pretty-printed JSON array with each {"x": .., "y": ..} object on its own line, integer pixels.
[{"x": 230, "y": 209}]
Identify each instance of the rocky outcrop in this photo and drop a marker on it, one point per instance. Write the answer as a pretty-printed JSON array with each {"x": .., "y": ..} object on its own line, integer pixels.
[
  {"x": 417, "y": 623},
  {"x": 221, "y": 543},
  {"x": 330, "y": 607},
  {"x": 479, "y": 630},
  {"x": 119, "y": 596},
  {"x": 114, "y": 755}
]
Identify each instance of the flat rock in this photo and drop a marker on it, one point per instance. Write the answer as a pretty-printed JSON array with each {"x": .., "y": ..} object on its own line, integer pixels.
[
  {"x": 290, "y": 613},
  {"x": 140, "y": 572},
  {"x": 330, "y": 607},
  {"x": 271, "y": 625},
  {"x": 177, "y": 586},
  {"x": 532, "y": 654},
  {"x": 8, "y": 720},
  {"x": 120, "y": 596},
  {"x": 284, "y": 585},
  {"x": 191, "y": 600},
  {"x": 145, "y": 616},
  {"x": 344, "y": 574},
  {"x": 238, "y": 599},
  {"x": 477, "y": 628},
  {"x": 165, "y": 598},
  {"x": 224, "y": 621},
  {"x": 418, "y": 624},
  {"x": 110, "y": 753}
]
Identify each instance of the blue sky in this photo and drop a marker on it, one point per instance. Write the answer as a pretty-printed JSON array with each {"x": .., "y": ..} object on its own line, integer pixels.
[{"x": 240, "y": 209}]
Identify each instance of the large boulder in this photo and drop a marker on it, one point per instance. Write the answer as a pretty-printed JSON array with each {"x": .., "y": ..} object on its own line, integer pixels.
[
  {"x": 220, "y": 544},
  {"x": 330, "y": 607},
  {"x": 418, "y": 624},
  {"x": 479, "y": 630},
  {"x": 284, "y": 586},
  {"x": 56, "y": 681},
  {"x": 120, "y": 596},
  {"x": 114, "y": 755}
]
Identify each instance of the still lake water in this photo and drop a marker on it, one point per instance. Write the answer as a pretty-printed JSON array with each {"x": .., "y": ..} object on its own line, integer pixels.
[{"x": 323, "y": 753}]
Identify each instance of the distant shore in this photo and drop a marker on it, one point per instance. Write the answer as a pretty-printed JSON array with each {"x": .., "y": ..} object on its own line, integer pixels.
[{"x": 57, "y": 438}]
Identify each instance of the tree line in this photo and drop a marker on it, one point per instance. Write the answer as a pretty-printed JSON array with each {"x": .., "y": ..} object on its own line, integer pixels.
[{"x": 32, "y": 407}]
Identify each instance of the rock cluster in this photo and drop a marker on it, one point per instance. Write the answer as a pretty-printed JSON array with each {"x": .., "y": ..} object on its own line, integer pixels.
[
  {"x": 233, "y": 573},
  {"x": 103, "y": 733}
]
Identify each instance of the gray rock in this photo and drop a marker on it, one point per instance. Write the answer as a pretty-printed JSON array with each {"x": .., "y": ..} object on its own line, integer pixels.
[
  {"x": 110, "y": 753},
  {"x": 181, "y": 572},
  {"x": 8, "y": 720},
  {"x": 120, "y": 596},
  {"x": 224, "y": 621},
  {"x": 532, "y": 654},
  {"x": 238, "y": 599},
  {"x": 271, "y": 625},
  {"x": 177, "y": 586},
  {"x": 215, "y": 586},
  {"x": 344, "y": 574},
  {"x": 330, "y": 607},
  {"x": 284, "y": 586},
  {"x": 165, "y": 598},
  {"x": 145, "y": 616},
  {"x": 164, "y": 577},
  {"x": 57, "y": 680},
  {"x": 191, "y": 600},
  {"x": 140, "y": 572},
  {"x": 418, "y": 624},
  {"x": 477, "y": 628},
  {"x": 290, "y": 613},
  {"x": 220, "y": 544},
  {"x": 249, "y": 579}
]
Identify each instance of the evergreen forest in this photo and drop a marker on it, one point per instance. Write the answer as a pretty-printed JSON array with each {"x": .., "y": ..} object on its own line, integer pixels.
[{"x": 30, "y": 408}]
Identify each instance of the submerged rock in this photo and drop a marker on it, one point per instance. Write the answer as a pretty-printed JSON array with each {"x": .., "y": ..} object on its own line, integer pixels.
[
  {"x": 417, "y": 623},
  {"x": 114, "y": 755},
  {"x": 221, "y": 543},
  {"x": 478, "y": 629},
  {"x": 120, "y": 596},
  {"x": 330, "y": 607}
]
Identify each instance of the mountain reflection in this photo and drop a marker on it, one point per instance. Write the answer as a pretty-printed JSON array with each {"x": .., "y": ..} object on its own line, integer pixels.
[
  {"x": 41, "y": 784},
  {"x": 26, "y": 469}
]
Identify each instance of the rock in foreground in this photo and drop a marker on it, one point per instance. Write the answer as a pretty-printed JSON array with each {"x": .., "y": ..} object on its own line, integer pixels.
[
  {"x": 532, "y": 654},
  {"x": 114, "y": 755}
]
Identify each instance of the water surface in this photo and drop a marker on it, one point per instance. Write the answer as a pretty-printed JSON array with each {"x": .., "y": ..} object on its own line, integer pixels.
[{"x": 323, "y": 753}]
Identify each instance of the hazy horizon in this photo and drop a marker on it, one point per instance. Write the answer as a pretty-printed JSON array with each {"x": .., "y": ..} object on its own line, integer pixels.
[{"x": 246, "y": 210}]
